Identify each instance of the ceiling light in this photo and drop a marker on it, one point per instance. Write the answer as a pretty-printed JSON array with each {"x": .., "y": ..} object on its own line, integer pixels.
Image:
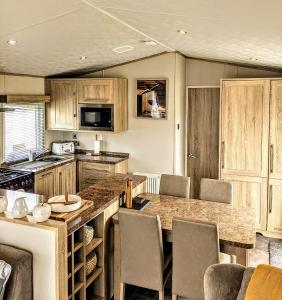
[
  {"x": 150, "y": 43},
  {"x": 123, "y": 49},
  {"x": 181, "y": 31},
  {"x": 83, "y": 57},
  {"x": 253, "y": 59},
  {"x": 12, "y": 42}
]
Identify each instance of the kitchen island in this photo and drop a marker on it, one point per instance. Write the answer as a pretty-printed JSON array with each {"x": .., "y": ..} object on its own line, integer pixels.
[{"x": 58, "y": 246}]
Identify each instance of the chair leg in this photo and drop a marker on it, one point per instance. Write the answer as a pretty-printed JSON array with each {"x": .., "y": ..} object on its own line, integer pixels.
[
  {"x": 161, "y": 295},
  {"x": 122, "y": 291},
  {"x": 174, "y": 297}
]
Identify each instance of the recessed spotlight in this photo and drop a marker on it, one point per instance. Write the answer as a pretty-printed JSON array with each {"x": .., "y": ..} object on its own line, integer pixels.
[
  {"x": 150, "y": 43},
  {"x": 83, "y": 57},
  {"x": 12, "y": 42},
  {"x": 253, "y": 59},
  {"x": 123, "y": 49},
  {"x": 181, "y": 31}
]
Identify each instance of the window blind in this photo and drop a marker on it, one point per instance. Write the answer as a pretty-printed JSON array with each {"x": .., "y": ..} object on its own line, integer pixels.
[{"x": 23, "y": 130}]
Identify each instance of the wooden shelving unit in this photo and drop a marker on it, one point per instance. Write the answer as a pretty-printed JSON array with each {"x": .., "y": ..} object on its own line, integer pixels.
[{"x": 80, "y": 286}]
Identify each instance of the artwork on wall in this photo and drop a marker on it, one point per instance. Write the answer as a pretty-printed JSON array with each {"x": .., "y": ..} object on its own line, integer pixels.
[{"x": 151, "y": 98}]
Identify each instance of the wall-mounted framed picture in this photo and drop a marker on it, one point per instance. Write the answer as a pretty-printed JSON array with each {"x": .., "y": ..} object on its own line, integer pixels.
[{"x": 151, "y": 98}]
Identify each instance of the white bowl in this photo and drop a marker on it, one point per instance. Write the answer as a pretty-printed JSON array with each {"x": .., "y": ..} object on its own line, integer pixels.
[{"x": 59, "y": 208}]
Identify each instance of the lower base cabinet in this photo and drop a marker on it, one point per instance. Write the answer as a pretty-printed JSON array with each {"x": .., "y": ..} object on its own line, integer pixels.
[
  {"x": 56, "y": 181},
  {"x": 89, "y": 172},
  {"x": 250, "y": 192},
  {"x": 274, "y": 223}
]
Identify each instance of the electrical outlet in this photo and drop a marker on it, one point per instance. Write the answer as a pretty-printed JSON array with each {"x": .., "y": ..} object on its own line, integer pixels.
[
  {"x": 76, "y": 143},
  {"x": 74, "y": 136}
]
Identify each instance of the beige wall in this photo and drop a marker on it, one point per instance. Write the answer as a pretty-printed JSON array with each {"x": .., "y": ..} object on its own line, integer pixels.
[
  {"x": 203, "y": 73},
  {"x": 151, "y": 143}
]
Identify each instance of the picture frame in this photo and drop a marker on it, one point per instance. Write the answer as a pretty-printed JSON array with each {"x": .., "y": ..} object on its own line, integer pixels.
[{"x": 151, "y": 98}]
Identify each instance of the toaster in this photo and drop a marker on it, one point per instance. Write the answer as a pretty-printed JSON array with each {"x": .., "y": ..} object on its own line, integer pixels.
[{"x": 62, "y": 147}]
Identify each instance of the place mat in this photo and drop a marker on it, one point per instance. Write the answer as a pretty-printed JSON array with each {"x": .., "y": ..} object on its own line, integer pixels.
[{"x": 68, "y": 216}]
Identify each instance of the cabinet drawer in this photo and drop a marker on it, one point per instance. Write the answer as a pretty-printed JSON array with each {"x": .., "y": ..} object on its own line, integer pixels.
[{"x": 86, "y": 167}]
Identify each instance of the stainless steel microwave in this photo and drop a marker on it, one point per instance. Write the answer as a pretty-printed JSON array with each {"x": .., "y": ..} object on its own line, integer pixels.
[{"x": 96, "y": 117}]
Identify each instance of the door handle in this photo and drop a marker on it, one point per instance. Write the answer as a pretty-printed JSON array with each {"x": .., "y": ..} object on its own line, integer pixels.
[
  {"x": 271, "y": 158},
  {"x": 222, "y": 154},
  {"x": 190, "y": 155},
  {"x": 270, "y": 199}
]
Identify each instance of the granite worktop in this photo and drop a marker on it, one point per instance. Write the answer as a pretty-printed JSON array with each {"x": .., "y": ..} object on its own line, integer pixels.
[
  {"x": 236, "y": 225},
  {"x": 82, "y": 155}
]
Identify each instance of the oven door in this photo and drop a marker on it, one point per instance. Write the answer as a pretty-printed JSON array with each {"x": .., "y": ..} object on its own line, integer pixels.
[{"x": 96, "y": 117}]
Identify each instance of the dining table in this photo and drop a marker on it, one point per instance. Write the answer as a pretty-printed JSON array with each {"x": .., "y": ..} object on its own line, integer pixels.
[{"x": 236, "y": 225}]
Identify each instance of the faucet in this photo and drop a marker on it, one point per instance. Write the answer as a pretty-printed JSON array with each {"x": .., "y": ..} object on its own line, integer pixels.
[{"x": 34, "y": 154}]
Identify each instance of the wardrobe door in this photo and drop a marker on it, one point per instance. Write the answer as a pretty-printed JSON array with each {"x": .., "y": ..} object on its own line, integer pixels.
[
  {"x": 275, "y": 140},
  {"x": 244, "y": 127}
]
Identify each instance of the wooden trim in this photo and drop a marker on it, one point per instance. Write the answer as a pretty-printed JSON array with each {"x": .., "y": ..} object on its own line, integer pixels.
[
  {"x": 19, "y": 74},
  {"x": 203, "y": 86},
  {"x": 24, "y": 98}
]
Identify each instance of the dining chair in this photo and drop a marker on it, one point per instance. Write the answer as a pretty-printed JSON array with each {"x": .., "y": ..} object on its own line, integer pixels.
[
  {"x": 216, "y": 190},
  {"x": 144, "y": 262},
  {"x": 175, "y": 185},
  {"x": 195, "y": 246}
]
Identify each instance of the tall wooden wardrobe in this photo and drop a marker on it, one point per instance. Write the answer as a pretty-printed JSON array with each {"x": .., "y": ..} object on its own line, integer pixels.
[{"x": 251, "y": 147}]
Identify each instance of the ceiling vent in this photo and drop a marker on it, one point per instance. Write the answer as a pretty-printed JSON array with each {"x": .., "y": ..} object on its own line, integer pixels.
[{"x": 123, "y": 49}]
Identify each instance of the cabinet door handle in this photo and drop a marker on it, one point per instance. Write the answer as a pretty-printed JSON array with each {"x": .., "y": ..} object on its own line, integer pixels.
[
  {"x": 222, "y": 154},
  {"x": 271, "y": 157},
  {"x": 46, "y": 174},
  {"x": 270, "y": 198},
  {"x": 60, "y": 183}
]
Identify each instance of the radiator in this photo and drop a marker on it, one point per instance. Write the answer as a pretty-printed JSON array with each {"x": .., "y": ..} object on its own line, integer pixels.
[{"x": 152, "y": 183}]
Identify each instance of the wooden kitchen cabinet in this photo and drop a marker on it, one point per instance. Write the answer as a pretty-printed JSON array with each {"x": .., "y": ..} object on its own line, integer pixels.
[
  {"x": 45, "y": 183},
  {"x": 244, "y": 127},
  {"x": 89, "y": 172},
  {"x": 56, "y": 181},
  {"x": 275, "y": 206},
  {"x": 66, "y": 179},
  {"x": 250, "y": 192},
  {"x": 61, "y": 112},
  {"x": 97, "y": 91}
]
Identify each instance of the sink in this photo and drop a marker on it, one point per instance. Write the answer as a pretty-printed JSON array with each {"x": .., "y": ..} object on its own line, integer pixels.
[
  {"x": 31, "y": 165},
  {"x": 50, "y": 158}
]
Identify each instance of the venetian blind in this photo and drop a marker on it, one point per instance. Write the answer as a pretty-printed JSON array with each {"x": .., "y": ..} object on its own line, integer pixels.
[{"x": 23, "y": 130}]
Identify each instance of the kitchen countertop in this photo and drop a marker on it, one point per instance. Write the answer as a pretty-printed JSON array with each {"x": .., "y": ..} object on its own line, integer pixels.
[
  {"x": 104, "y": 158},
  {"x": 103, "y": 193},
  {"x": 236, "y": 225}
]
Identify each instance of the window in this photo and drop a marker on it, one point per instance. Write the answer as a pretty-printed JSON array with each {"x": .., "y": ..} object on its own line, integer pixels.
[{"x": 23, "y": 130}]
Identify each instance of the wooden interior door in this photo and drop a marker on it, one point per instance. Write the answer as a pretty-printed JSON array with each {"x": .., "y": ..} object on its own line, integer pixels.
[
  {"x": 63, "y": 106},
  {"x": 203, "y": 136},
  {"x": 250, "y": 192},
  {"x": 275, "y": 138},
  {"x": 275, "y": 206},
  {"x": 244, "y": 127}
]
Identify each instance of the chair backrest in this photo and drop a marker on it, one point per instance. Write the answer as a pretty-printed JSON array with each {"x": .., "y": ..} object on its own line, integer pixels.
[
  {"x": 216, "y": 190},
  {"x": 195, "y": 247},
  {"x": 174, "y": 185},
  {"x": 142, "y": 258}
]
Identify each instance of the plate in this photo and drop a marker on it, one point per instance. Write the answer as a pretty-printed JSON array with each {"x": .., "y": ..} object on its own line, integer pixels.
[{"x": 60, "y": 208}]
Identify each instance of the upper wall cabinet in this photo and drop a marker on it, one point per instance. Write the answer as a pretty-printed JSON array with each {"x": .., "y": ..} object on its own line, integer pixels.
[
  {"x": 100, "y": 91},
  {"x": 61, "y": 112},
  {"x": 66, "y": 94},
  {"x": 244, "y": 127}
]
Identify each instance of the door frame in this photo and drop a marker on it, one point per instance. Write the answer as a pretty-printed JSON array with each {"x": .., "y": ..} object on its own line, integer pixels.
[{"x": 186, "y": 118}]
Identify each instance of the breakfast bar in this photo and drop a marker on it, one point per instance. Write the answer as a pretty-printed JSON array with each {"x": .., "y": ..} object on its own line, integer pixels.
[{"x": 236, "y": 225}]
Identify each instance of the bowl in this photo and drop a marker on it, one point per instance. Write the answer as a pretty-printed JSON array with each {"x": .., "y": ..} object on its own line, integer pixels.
[{"x": 60, "y": 207}]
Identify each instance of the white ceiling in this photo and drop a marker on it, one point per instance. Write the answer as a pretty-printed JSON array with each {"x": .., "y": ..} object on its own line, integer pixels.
[{"x": 53, "y": 34}]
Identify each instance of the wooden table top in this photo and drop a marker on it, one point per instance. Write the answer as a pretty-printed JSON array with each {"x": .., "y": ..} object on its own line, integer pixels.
[{"x": 236, "y": 225}]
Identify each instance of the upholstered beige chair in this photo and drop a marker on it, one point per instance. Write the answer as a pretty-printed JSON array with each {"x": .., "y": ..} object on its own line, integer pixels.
[
  {"x": 216, "y": 190},
  {"x": 195, "y": 247},
  {"x": 174, "y": 185},
  {"x": 142, "y": 252}
]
